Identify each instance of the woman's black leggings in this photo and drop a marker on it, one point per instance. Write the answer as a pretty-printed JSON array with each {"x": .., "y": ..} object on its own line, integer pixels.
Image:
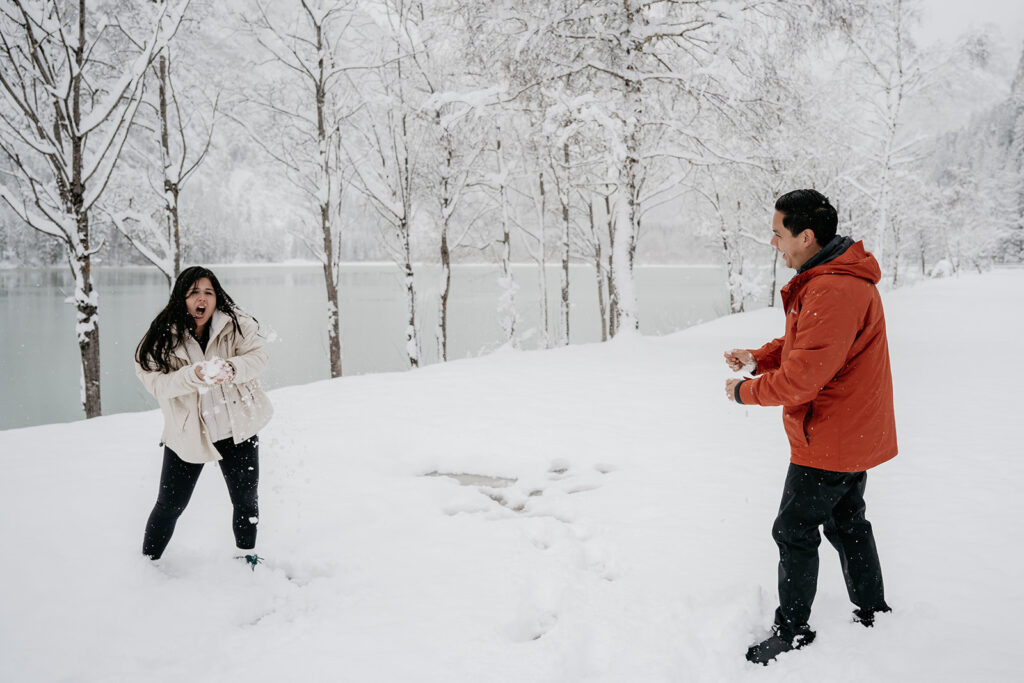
[{"x": 241, "y": 469}]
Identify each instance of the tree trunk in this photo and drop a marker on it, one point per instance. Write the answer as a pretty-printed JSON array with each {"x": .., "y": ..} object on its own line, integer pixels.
[
  {"x": 882, "y": 229},
  {"x": 446, "y": 283},
  {"x": 171, "y": 188},
  {"x": 412, "y": 342},
  {"x": 86, "y": 307},
  {"x": 623, "y": 250},
  {"x": 895, "y": 255},
  {"x": 86, "y": 300},
  {"x": 598, "y": 273},
  {"x": 541, "y": 212},
  {"x": 729, "y": 276},
  {"x": 446, "y": 269},
  {"x": 628, "y": 224},
  {"x": 564, "y": 198},
  {"x": 507, "y": 302},
  {"x": 326, "y": 225},
  {"x": 733, "y": 261},
  {"x": 613, "y": 295},
  {"x": 333, "y": 308}
]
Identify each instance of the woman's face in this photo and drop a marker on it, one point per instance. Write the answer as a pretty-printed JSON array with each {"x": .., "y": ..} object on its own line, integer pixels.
[{"x": 200, "y": 301}]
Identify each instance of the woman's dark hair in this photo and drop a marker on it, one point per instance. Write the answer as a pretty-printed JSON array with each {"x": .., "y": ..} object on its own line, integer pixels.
[
  {"x": 171, "y": 324},
  {"x": 808, "y": 210}
]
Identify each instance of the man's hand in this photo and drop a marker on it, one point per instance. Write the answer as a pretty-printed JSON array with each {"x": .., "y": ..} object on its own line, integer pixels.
[
  {"x": 740, "y": 359},
  {"x": 730, "y": 388}
]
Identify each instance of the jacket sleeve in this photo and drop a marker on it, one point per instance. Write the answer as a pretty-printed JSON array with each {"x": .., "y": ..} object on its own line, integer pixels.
[
  {"x": 250, "y": 358},
  {"x": 825, "y": 331},
  {"x": 768, "y": 356},
  {"x": 164, "y": 385}
]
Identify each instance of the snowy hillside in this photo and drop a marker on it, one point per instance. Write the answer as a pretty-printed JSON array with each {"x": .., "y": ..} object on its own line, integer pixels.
[{"x": 618, "y": 528}]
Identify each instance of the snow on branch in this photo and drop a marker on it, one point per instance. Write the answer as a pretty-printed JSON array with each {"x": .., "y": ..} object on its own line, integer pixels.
[
  {"x": 149, "y": 231},
  {"x": 38, "y": 219}
]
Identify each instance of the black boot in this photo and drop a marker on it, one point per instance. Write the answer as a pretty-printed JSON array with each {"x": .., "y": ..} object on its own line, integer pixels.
[
  {"x": 866, "y": 617},
  {"x": 781, "y": 640}
]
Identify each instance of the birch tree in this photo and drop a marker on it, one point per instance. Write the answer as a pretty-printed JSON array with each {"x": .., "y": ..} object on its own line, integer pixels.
[
  {"x": 436, "y": 55},
  {"x": 387, "y": 145},
  {"x": 508, "y": 317},
  {"x": 636, "y": 56},
  {"x": 70, "y": 92},
  {"x": 304, "y": 111},
  {"x": 460, "y": 148},
  {"x": 535, "y": 237},
  {"x": 893, "y": 73},
  {"x": 183, "y": 137},
  {"x": 1011, "y": 249},
  {"x": 564, "y": 124}
]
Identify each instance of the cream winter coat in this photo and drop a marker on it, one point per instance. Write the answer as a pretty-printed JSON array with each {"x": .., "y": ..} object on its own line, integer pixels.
[{"x": 177, "y": 392}]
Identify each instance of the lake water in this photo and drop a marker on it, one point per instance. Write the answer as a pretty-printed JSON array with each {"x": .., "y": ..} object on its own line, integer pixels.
[{"x": 40, "y": 364}]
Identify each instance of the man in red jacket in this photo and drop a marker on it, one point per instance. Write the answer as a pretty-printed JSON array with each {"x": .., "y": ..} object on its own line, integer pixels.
[{"x": 830, "y": 373}]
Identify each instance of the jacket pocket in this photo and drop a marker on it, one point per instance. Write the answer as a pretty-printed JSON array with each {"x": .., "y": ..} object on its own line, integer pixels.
[
  {"x": 251, "y": 399},
  {"x": 808, "y": 416},
  {"x": 795, "y": 420}
]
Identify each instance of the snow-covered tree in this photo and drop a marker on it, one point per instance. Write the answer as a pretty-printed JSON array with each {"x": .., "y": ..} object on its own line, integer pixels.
[
  {"x": 888, "y": 73},
  {"x": 71, "y": 84},
  {"x": 452, "y": 97},
  {"x": 654, "y": 71},
  {"x": 386, "y": 141},
  {"x": 302, "y": 110},
  {"x": 1011, "y": 180},
  {"x": 182, "y": 126}
]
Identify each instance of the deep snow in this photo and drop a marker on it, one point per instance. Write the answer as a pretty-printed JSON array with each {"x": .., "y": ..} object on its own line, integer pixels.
[{"x": 625, "y": 535}]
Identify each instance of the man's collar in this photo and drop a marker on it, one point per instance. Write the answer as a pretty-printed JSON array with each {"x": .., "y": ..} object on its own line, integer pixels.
[{"x": 835, "y": 248}]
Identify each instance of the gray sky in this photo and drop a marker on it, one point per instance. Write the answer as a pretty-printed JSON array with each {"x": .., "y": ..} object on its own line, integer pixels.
[{"x": 946, "y": 19}]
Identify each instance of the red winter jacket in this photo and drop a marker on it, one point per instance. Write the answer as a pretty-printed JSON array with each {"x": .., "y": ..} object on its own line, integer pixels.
[{"x": 830, "y": 372}]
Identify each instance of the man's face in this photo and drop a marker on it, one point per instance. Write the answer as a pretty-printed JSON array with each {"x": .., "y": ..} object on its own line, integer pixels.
[{"x": 795, "y": 249}]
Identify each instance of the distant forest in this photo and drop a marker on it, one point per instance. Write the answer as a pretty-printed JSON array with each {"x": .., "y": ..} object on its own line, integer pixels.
[{"x": 606, "y": 132}]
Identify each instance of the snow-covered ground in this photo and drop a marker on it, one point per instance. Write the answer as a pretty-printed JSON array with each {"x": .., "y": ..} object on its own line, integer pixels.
[{"x": 625, "y": 535}]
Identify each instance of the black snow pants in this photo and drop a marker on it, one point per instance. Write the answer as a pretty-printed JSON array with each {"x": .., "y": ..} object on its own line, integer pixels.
[
  {"x": 241, "y": 469},
  {"x": 835, "y": 500}
]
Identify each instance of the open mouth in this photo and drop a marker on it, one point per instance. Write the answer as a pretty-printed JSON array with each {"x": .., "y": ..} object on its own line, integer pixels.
[{"x": 200, "y": 310}]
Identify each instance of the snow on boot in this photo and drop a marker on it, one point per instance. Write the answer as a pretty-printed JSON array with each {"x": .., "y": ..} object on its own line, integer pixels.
[
  {"x": 252, "y": 560},
  {"x": 781, "y": 640},
  {"x": 866, "y": 617}
]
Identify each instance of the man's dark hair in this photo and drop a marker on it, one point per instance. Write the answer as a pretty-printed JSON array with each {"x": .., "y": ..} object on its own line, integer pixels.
[{"x": 808, "y": 210}]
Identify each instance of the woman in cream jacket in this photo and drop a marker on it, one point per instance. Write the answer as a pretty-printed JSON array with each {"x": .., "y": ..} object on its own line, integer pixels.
[{"x": 201, "y": 359}]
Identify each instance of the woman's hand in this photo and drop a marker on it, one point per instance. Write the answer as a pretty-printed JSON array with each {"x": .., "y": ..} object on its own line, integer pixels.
[{"x": 214, "y": 371}]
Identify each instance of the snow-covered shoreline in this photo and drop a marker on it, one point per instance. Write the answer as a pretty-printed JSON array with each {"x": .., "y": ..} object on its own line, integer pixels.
[
  {"x": 631, "y": 542},
  {"x": 297, "y": 263}
]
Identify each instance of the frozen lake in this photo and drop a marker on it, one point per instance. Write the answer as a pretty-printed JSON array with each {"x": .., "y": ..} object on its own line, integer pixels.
[{"x": 39, "y": 360}]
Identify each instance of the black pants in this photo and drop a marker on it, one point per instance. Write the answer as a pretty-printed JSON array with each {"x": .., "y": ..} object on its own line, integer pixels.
[
  {"x": 241, "y": 469},
  {"x": 812, "y": 498}
]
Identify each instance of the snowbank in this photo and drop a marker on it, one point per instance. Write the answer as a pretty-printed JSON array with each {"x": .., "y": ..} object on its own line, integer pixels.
[{"x": 619, "y": 528}]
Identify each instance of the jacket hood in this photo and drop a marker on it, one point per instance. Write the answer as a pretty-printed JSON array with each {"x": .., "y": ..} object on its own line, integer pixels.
[
  {"x": 854, "y": 260},
  {"x": 217, "y": 322}
]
